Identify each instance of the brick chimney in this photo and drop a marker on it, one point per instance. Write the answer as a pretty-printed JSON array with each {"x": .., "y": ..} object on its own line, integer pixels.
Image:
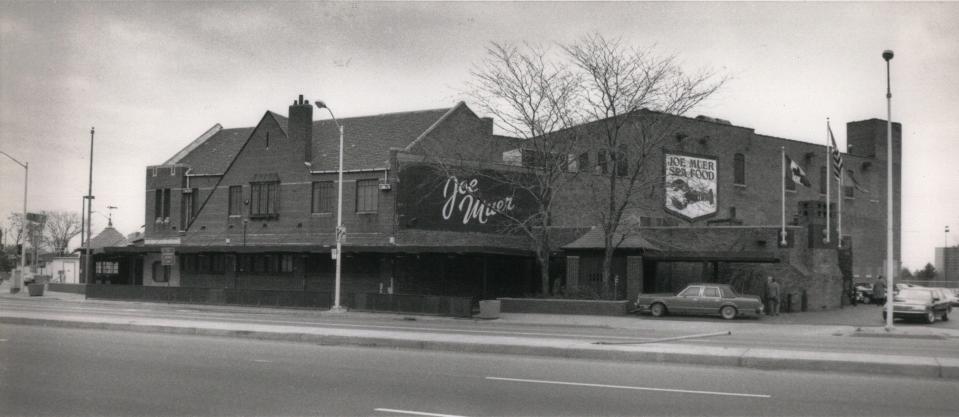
[{"x": 301, "y": 126}]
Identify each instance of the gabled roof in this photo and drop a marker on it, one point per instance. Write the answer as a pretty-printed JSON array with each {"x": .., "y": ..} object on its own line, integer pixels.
[
  {"x": 109, "y": 237},
  {"x": 214, "y": 154},
  {"x": 367, "y": 141}
]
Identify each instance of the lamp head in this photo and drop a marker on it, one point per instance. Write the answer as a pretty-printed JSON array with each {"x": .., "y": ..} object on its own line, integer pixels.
[
  {"x": 887, "y": 55},
  {"x": 320, "y": 104}
]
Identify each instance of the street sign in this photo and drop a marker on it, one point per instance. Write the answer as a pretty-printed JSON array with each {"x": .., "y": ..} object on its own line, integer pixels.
[
  {"x": 37, "y": 217},
  {"x": 341, "y": 234},
  {"x": 333, "y": 254},
  {"x": 167, "y": 256}
]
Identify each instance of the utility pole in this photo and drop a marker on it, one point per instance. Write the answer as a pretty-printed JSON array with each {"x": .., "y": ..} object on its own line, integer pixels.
[{"x": 87, "y": 267}]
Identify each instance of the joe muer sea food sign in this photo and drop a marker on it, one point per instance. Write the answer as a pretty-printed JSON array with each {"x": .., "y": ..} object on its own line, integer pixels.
[
  {"x": 432, "y": 199},
  {"x": 691, "y": 187}
]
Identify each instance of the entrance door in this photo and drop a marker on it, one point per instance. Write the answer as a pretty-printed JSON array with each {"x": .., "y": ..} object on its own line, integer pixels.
[{"x": 138, "y": 270}]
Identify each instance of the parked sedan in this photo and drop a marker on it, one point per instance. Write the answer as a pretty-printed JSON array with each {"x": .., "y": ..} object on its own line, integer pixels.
[
  {"x": 701, "y": 299},
  {"x": 919, "y": 303}
]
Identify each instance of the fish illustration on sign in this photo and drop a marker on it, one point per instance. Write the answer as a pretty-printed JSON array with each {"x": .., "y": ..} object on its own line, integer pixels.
[{"x": 691, "y": 186}]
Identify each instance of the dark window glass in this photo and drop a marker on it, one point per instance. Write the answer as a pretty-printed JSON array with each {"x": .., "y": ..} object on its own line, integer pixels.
[
  {"x": 286, "y": 263},
  {"x": 366, "y": 192},
  {"x": 188, "y": 207},
  {"x": 711, "y": 292},
  {"x": 158, "y": 204},
  {"x": 584, "y": 162},
  {"x": 622, "y": 162},
  {"x": 691, "y": 292},
  {"x": 822, "y": 180},
  {"x": 236, "y": 200},
  {"x": 166, "y": 203},
  {"x": 739, "y": 169},
  {"x": 263, "y": 199},
  {"x": 601, "y": 161},
  {"x": 323, "y": 197}
]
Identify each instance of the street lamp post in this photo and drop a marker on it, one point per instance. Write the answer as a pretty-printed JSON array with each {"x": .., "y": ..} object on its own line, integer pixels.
[
  {"x": 891, "y": 289},
  {"x": 340, "y": 230},
  {"x": 18, "y": 279},
  {"x": 87, "y": 268}
]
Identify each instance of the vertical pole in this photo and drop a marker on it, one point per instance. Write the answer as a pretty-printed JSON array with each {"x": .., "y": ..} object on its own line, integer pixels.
[
  {"x": 23, "y": 229},
  {"x": 339, "y": 226},
  {"x": 887, "y": 55},
  {"x": 87, "y": 268},
  {"x": 782, "y": 179},
  {"x": 83, "y": 229},
  {"x": 828, "y": 231},
  {"x": 840, "y": 196}
]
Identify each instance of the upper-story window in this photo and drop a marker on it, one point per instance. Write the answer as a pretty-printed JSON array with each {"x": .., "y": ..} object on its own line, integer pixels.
[
  {"x": 601, "y": 162},
  {"x": 823, "y": 178},
  {"x": 739, "y": 169},
  {"x": 584, "y": 162},
  {"x": 323, "y": 197},
  {"x": 188, "y": 207},
  {"x": 161, "y": 208},
  {"x": 264, "y": 198},
  {"x": 366, "y": 193},
  {"x": 236, "y": 200},
  {"x": 622, "y": 161}
]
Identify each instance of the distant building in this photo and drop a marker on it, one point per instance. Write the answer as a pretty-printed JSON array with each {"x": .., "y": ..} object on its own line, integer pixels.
[{"x": 947, "y": 264}]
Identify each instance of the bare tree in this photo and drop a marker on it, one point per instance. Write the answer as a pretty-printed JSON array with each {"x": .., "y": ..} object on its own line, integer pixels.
[
  {"x": 61, "y": 228},
  {"x": 531, "y": 99},
  {"x": 15, "y": 220},
  {"x": 630, "y": 95}
]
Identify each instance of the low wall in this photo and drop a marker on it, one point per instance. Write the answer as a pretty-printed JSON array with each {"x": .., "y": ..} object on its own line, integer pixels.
[
  {"x": 71, "y": 288},
  {"x": 564, "y": 306},
  {"x": 394, "y": 303}
]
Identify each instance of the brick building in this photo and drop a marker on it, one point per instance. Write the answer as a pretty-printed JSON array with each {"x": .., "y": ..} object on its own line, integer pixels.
[{"x": 254, "y": 208}]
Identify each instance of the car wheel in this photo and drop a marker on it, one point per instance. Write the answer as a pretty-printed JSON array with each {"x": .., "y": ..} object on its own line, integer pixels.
[
  {"x": 728, "y": 312},
  {"x": 657, "y": 310},
  {"x": 930, "y": 317},
  {"x": 866, "y": 299}
]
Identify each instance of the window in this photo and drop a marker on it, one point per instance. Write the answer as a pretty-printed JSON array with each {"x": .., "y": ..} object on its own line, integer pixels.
[
  {"x": 236, "y": 200},
  {"x": 622, "y": 162},
  {"x": 161, "y": 273},
  {"x": 739, "y": 169},
  {"x": 366, "y": 191},
  {"x": 601, "y": 161},
  {"x": 584, "y": 162},
  {"x": 533, "y": 158},
  {"x": 188, "y": 262},
  {"x": 847, "y": 192},
  {"x": 822, "y": 180},
  {"x": 263, "y": 199},
  {"x": 161, "y": 208},
  {"x": 108, "y": 267},
  {"x": 188, "y": 207},
  {"x": 323, "y": 197},
  {"x": 286, "y": 263},
  {"x": 710, "y": 292},
  {"x": 691, "y": 292}
]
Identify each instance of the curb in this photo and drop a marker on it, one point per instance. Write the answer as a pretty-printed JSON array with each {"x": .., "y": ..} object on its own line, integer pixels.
[{"x": 765, "y": 359}]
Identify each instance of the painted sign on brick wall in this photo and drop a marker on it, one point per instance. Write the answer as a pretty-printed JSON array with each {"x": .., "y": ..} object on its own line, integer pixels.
[
  {"x": 436, "y": 199},
  {"x": 691, "y": 185}
]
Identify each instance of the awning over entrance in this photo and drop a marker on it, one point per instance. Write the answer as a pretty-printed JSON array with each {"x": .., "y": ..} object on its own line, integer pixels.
[{"x": 594, "y": 239}]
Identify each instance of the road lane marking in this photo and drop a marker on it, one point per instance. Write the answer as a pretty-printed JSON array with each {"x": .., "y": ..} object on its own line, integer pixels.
[
  {"x": 582, "y": 384},
  {"x": 414, "y": 413}
]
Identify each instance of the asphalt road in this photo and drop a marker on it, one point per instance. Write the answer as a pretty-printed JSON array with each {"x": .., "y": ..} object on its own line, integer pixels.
[
  {"x": 745, "y": 333},
  {"x": 61, "y": 372}
]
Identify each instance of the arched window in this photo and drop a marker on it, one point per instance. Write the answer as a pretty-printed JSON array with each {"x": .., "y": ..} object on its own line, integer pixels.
[{"x": 739, "y": 169}]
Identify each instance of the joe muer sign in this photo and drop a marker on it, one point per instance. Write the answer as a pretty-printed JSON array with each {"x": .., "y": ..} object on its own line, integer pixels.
[
  {"x": 432, "y": 199},
  {"x": 691, "y": 187}
]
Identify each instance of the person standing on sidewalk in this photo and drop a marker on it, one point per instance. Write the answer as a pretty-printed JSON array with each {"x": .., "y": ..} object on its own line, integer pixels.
[
  {"x": 772, "y": 296},
  {"x": 879, "y": 292}
]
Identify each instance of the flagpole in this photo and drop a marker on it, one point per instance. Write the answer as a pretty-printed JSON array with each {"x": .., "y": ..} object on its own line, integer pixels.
[
  {"x": 828, "y": 230},
  {"x": 841, "y": 196},
  {"x": 782, "y": 179}
]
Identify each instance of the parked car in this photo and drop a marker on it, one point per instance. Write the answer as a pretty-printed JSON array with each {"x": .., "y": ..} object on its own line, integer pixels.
[
  {"x": 949, "y": 295},
  {"x": 919, "y": 303},
  {"x": 701, "y": 299}
]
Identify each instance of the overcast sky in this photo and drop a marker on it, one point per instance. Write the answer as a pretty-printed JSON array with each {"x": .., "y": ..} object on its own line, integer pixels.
[{"x": 152, "y": 77}]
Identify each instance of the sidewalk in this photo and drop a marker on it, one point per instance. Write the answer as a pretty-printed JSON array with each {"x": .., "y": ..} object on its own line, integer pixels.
[{"x": 660, "y": 352}]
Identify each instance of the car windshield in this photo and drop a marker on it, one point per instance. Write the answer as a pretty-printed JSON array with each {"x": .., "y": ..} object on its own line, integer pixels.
[{"x": 911, "y": 295}]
